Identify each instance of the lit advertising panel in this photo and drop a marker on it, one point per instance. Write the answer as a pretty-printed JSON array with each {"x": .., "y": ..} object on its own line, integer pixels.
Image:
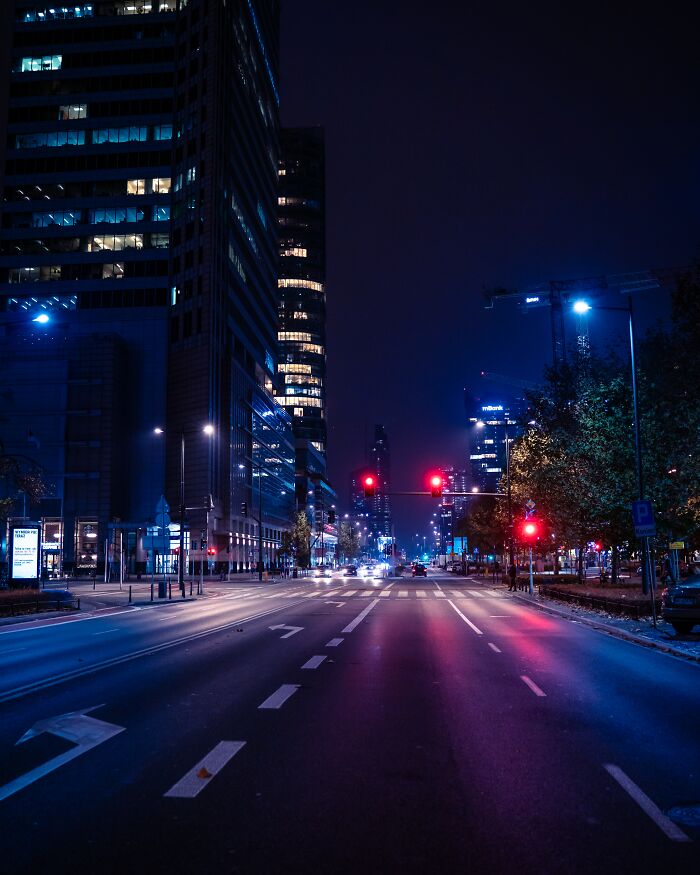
[{"x": 25, "y": 553}]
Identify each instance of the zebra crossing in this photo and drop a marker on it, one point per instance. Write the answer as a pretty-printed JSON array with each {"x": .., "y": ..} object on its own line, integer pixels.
[{"x": 388, "y": 592}]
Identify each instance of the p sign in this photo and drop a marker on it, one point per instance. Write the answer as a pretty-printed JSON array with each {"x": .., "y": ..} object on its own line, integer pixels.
[{"x": 643, "y": 519}]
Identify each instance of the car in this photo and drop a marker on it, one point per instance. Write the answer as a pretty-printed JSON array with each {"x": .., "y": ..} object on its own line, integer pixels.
[
  {"x": 420, "y": 570},
  {"x": 351, "y": 571},
  {"x": 680, "y": 604}
]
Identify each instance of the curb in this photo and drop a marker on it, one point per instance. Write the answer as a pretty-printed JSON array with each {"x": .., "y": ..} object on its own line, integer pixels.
[{"x": 613, "y": 631}]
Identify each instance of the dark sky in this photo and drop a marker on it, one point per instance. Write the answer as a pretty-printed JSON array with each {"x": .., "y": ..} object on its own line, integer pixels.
[{"x": 471, "y": 146}]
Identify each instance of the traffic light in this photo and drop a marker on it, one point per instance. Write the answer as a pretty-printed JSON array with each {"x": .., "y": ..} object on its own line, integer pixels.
[
  {"x": 369, "y": 484},
  {"x": 530, "y": 531},
  {"x": 331, "y": 516},
  {"x": 211, "y": 551},
  {"x": 436, "y": 486},
  {"x": 244, "y": 508}
]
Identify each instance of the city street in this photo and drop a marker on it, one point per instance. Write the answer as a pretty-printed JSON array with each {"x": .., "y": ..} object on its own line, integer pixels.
[{"x": 344, "y": 725}]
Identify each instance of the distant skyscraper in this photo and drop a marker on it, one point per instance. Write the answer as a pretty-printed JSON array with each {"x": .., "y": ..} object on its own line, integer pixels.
[
  {"x": 139, "y": 206},
  {"x": 488, "y": 420},
  {"x": 380, "y": 464},
  {"x": 302, "y": 324}
]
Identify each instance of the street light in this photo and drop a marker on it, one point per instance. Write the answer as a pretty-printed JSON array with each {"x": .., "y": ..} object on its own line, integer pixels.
[
  {"x": 208, "y": 430},
  {"x": 581, "y": 307}
]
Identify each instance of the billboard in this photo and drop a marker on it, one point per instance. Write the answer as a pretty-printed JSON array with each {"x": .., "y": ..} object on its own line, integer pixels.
[{"x": 26, "y": 553}]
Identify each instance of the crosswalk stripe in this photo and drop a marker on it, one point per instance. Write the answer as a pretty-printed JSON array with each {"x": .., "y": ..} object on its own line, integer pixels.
[
  {"x": 403, "y": 593},
  {"x": 478, "y": 595},
  {"x": 420, "y": 593},
  {"x": 457, "y": 593},
  {"x": 385, "y": 592},
  {"x": 349, "y": 592},
  {"x": 367, "y": 594},
  {"x": 439, "y": 594}
]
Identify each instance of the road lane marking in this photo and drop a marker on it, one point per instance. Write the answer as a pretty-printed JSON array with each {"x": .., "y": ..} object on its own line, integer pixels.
[
  {"x": 665, "y": 824},
  {"x": 42, "y": 684},
  {"x": 367, "y": 594},
  {"x": 500, "y": 616},
  {"x": 385, "y": 592},
  {"x": 359, "y": 618},
  {"x": 198, "y": 777},
  {"x": 476, "y": 593},
  {"x": 420, "y": 593},
  {"x": 440, "y": 594},
  {"x": 106, "y": 632},
  {"x": 457, "y": 593},
  {"x": 349, "y": 593},
  {"x": 494, "y": 648},
  {"x": 12, "y": 650},
  {"x": 314, "y": 662},
  {"x": 279, "y": 697},
  {"x": 533, "y": 686},
  {"x": 334, "y": 642},
  {"x": 403, "y": 593},
  {"x": 466, "y": 619}
]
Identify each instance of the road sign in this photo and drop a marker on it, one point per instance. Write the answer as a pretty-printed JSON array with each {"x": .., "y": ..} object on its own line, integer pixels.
[
  {"x": 643, "y": 519},
  {"x": 530, "y": 504},
  {"x": 677, "y": 545}
]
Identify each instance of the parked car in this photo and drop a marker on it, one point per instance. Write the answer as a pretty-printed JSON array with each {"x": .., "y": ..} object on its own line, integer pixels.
[{"x": 680, "y": 604}]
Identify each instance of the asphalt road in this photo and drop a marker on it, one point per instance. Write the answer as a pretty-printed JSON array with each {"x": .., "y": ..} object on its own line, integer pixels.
[{"x": 409, "y": 726}]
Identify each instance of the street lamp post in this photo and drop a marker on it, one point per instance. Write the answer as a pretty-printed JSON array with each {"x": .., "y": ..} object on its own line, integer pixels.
[{"x": 582, "y": 307}]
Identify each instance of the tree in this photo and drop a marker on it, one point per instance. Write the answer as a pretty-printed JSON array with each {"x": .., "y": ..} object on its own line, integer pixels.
[
  {"x": 19, "y": 475},
  {"x": 348, "y": 541},
  {"x": 301, "y": 539}
]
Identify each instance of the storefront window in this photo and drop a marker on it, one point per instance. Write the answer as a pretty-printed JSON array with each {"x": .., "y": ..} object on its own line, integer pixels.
[{"x": 86, "y": 542}]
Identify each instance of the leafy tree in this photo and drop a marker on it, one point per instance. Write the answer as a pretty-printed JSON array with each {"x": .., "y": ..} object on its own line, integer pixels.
[
  {"x": 16, "y": 475},
  {"x": 301, "y": 539},
  {"x": 485, "y": 525},
  {"x": 348, "y": 541}
]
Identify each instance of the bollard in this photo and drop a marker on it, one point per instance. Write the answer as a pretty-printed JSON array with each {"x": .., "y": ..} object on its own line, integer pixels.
[
  {"x": 151, "y": 590},
  {"x": 129, "y": 593},
  {"x": 190, "y": 587},
  {"x": 170, "y": 590},
  {"x": 182, "y": 591}
]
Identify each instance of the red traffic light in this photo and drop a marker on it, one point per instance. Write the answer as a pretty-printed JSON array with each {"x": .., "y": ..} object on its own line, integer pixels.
[
  {"x": 211, "y": 551},
  {"x": 436, "y": 485},
  {"x": 369, "y": 485},
  {"x": 530, "y": 531}
]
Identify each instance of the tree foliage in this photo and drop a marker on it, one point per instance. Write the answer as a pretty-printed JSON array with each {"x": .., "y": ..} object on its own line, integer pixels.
[
  {"x": 16, "y": 476},
  {"x": 348, "y": 541}
]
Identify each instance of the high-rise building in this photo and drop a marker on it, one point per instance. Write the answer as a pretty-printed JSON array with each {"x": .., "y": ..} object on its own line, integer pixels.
[
  {"x": 302, "y": 249},
  {"x": 139, "y": 218},
  {"x": 490, "y": 422},
  {"x": 380, "y": 505}
]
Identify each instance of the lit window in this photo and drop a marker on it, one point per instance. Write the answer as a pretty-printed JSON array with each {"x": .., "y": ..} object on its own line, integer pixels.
[
  {"x": 161, "y": 214},
  {"x": 136, "y": 186},
  {"x": 298, "y": 411},
  {"x": 132, "y": 133},
  {"x": 299, "y": 284},
  {"x": 117, "y": 214},
  {"x": 37, "y": 65},
  {"x": 83, "y": 10},
  {"x": 160, "y": 241},
  {"x": 57, "y": 217},
  {"x": 161, "y": 185},
  {"x": 293, "y": 252},
  {"x": 293, "y": 335},
  {"x": 300, "y": 314},
  {"x": 294, "y": 369},
  {"x": 50, "y": 139},
  {"x": 163, "y": 132},
  {"x": 113, "y": 271},
  {"x": 72, "y": 111},
  {"x": 116, "y": 242}
]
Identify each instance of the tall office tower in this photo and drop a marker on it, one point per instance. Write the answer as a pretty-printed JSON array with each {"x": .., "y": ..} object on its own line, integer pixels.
[
  {"x": 302, "y": 328},
  {"x": 139, "y": 222},
  {"x": 491, "y": 422},
  {"x": 380, "y": 506}
]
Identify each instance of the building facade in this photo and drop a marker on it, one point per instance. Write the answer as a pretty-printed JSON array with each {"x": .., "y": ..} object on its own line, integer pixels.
[
  {"x": 139, "y": 204},
  {"x": 302, "y": 282},
  {"x": 492, "y": 424}
]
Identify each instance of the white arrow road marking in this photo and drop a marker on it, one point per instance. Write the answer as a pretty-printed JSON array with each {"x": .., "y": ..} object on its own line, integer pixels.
[
  {"x": 533, "y": 686},
  {"x": 334, "y": 642},
  {"x": 292, "y": 630},
  {"x": 314, "y": 662},
  {"x": 279, "y": 697},
  {"x": 359, "y": 618},
  {"x": 340, "y": 604},
  {"x": 86, "y": 732},
  {"x": 466, "y": 619},
  {"x": 665, "y": 824},
  {"x": 200, "y": 775}
]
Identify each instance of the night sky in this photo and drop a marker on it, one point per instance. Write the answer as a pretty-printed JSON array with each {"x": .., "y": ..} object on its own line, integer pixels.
[{"x": 470, "y": 148}]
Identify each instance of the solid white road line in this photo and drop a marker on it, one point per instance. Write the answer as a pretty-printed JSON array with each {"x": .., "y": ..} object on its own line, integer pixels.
[
  {"x": 533, "y": 686},
  {"x": 466, "y": 619},
  {"x": 334, "y": 642},
  {"x": 359, "y": 618},
  {"x": 279, "y": 697},
  {"x": 385, "y": 592},
  {"x": 665, "y": 824},
  {"x": 420, "y": 593},
  {"x": 106, "y": 632},
  {"x": 314, "y": 662},
  {"x": 403, "y": 593},
  {"x": 191, "y": 784},
  {"x": 494, "y": 648}
]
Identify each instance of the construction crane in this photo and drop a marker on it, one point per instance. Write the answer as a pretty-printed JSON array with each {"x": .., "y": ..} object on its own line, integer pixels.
[
  {"x": 508, "y": 381},
  {"x": 555, "y": 293}
]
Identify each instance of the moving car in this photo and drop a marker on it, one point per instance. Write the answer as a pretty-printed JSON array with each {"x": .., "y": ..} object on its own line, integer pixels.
[
  {"x": 351, "y": 571},
  {"x": 680, "y": 604},
  {"x": 420, "y": 570}
]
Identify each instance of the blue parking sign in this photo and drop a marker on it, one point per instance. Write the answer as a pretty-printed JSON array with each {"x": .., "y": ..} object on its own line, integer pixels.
[{"x": 643, "y": 519}]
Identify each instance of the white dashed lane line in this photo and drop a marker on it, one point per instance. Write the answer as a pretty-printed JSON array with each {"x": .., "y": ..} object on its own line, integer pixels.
[
  {"x": 198, "y": 777},
  {"x": 532, "y": 685},
  {"x": 466, "y": 619},
  {"x": 494, "y": 648},
  {"x": 334, "y": 642},
  {"x": 665, "y": 824},
  {"x": 314, "y": 662},
  {"x": 279, "y": 697}
]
